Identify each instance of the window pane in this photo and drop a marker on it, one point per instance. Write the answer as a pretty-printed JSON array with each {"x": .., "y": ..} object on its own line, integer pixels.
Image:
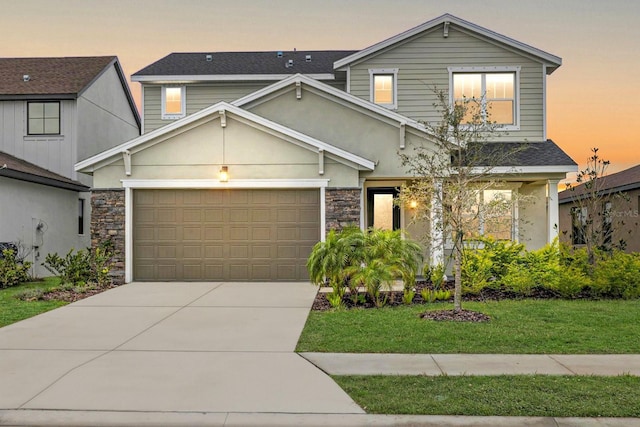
[
  {"x": 36, "y": 126},
  {"x": 51, "y": 126},
  {"x": 383, "y": 89},
  {"x": 383, "y": 211},
  {"x": 173, "y": 100},
  {"x": 499, "y": 216},
  {"x": 52, "y": 110},
  {"x": 467, "y": 85},
  {"x": 500, "y": 86},
  {"x": 500, "y": 112},
  {"x": 36, "y": 110}
]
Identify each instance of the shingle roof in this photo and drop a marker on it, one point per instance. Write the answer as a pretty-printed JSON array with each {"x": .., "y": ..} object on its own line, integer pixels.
[
  {"x": 12, "y": 167},
  {"x": 522, "y": 154},
  {"x": 244, "y": 63},
  {"x": 619, "y": 181},
  {"x": 50, "y": 76}
]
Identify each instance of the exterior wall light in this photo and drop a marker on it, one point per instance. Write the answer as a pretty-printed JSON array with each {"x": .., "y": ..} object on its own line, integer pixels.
[
  {"x": 224, "y": 174},
  {"x": 413, "y": 204}
]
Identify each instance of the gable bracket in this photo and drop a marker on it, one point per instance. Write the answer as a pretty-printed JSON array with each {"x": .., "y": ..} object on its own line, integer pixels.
[
  {"x": 445, "y": 34},
  {"x": 403, "y": 129},
  {"x": 298, "y": 90},
  {"x": 126, "y": 156},
  {"x": 321, "y": 162},
  {"x": 223, "y": 118}
]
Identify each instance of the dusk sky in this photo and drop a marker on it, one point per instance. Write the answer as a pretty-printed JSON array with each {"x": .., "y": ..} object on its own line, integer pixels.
[{"x": 593, "y": 100}]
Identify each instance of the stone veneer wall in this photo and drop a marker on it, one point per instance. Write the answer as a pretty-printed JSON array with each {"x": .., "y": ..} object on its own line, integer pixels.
[
  {"x": 107, "y": 223},
  {"x": 342, "y": 207}
]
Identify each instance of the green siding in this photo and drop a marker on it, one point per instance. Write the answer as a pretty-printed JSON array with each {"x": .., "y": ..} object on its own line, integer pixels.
[{"x": 423, "y": 61}]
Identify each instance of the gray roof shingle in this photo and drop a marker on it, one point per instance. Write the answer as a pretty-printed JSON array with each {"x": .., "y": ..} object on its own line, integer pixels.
[
  {"x": 521, "y": 154},
  {"x": 245, "y": 63}
]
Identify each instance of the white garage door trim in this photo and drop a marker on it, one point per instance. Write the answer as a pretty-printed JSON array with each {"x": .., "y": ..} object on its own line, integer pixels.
[{"x": 132, "y": 184}]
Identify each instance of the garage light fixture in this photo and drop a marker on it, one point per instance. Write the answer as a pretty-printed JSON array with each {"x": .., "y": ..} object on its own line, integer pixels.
[{"x": 224, "y": 174}]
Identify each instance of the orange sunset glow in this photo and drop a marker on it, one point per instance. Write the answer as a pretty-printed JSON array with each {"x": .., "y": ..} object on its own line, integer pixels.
[{"x": 592, "y": 98}]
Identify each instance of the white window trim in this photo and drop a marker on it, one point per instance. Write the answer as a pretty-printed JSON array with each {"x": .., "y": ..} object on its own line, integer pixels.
[
  {"x": 377, "y": 71},
  {"x": 183, "y": 99},
  {"x": 131, "y": 184},
  {"x": 486, "y": 70}
]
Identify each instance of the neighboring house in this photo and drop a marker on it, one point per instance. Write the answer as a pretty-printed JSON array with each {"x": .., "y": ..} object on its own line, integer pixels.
[
  {"x": 55, "y": 112},
  {"x": 617, "y": 218},
  {"x": 248, "y": 158}
]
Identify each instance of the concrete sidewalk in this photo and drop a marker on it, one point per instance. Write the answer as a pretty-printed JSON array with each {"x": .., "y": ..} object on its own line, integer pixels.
[{"x": 475, "y": 364}]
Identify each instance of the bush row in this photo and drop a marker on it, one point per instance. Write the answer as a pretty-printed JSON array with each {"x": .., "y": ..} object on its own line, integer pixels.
[{"x": 557, "y": 268}]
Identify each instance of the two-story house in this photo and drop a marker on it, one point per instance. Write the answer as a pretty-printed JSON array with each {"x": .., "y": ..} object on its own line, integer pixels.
[
  {"x": 55, "y": 112},
  {"x": 248, "y": 158}
]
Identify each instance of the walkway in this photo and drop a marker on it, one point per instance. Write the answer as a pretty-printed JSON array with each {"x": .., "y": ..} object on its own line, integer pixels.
[{"x": 475, "y": 364}]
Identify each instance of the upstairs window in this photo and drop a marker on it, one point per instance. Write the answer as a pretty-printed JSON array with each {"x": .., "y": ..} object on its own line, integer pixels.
[
  {"x": 43, "y": 118},
  {"x": 494, "y": 91},
  {"x": 173, "y": 102},
  {"x": 384, "y": 84}
]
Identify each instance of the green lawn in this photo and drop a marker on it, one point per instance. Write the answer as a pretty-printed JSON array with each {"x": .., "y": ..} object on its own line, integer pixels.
[
  {"x": 525, "y": 326},
  {"x": 520, "y": 395},
  {"x": 13, "y": 309}
]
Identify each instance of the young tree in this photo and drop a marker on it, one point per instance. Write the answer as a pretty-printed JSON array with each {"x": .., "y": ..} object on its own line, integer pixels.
[
  {"x": 451, "y": 174},
  {"x": 592, "y": 214}
]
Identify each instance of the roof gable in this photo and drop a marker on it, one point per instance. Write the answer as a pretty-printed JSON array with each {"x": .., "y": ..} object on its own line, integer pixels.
[
  {"x": 346, "y": 98},
  {"x": 218, "y": 111},
  {"x": 550, "y": 60}
]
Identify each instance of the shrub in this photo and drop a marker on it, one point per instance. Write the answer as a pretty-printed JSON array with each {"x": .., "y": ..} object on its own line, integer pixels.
[
  {"x": 485, "y": 266},
  {"x": 617, "y": 276},
  {"x": 534, "y": 268},
  {"x": 571, "y": 281},
  {"x": 371, "y": 258},
  {"x": 12, "y": 270},
  {"x": 81, "y": 268}
]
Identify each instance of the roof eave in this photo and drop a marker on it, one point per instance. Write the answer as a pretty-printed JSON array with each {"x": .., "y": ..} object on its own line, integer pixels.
[
  {"x": 186, "y": 78},
  {"x": 37, "y": 179}
]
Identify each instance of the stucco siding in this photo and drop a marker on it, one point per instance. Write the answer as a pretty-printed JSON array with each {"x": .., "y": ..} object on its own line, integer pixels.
[
  {"x": 422, "y": 63},
  {"x": 105, "y": 118},
  {"x": 355, "y": 131},
  {"x": 25, "y": 205},
  {"x": 248, "y": 152},
  {"x": 533, "y": 215}
]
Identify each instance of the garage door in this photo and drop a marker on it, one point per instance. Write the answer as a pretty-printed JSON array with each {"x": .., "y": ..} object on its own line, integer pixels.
[{"x": 231, "y": 235}]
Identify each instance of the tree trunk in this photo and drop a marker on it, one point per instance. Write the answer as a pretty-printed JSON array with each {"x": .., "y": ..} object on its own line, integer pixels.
[{"x": 457, "y": 271}]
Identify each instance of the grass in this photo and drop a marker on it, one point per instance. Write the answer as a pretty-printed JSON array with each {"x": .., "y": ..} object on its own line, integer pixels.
[
  {"x": 520, "y": 395},
  {"x": 13, "y": 310},
  {"x": 523, "y": 326}
]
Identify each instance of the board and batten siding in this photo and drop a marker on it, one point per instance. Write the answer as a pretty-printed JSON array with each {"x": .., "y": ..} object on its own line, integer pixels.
[
  {"x": 53, "y": 152},
  {"x": 198, "y": 96},
  {"x": 423, "y": 62}
]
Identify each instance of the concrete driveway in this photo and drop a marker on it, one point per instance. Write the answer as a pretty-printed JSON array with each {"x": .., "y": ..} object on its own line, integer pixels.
[{"x": 171, "y": 348}]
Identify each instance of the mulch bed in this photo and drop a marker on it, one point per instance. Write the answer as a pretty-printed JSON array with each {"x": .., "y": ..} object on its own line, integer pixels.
[
  {"x": 73, "y": 296},
  {"x": 455, "y": 316},
  {"x": 394, "y": 299}
]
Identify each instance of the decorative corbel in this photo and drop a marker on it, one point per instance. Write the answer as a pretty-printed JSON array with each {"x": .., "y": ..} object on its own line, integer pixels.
[
  {"x": 298, "y": 90},
  {"x": 223, "y": 118},
  {"x": 126, "y": 156},
  {"x": 445, "y": 34},
  {"x": 320, "y": 162},
  {"x": 402, "y": 135}
]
